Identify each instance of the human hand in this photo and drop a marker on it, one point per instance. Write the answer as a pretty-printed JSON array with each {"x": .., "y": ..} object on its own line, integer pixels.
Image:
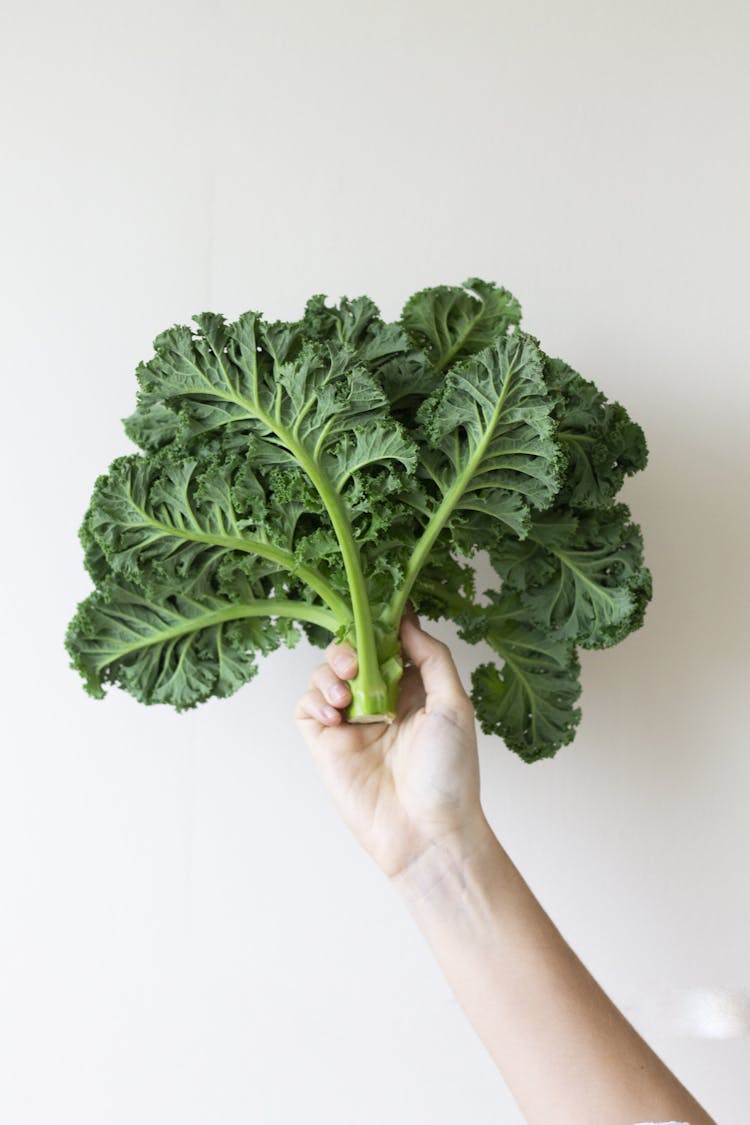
[{"x": 406, "y": 786}]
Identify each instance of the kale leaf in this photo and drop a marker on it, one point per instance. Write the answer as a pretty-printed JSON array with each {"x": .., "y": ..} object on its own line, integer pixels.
[{"x": 317, "y": 475}]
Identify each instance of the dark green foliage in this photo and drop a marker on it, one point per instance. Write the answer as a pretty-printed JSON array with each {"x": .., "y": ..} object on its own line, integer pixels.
[{"x": 315, "y": 475}]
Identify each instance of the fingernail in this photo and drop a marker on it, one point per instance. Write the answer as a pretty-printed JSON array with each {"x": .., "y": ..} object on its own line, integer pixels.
[
  {"x": 340, "y": 692},
  {"x": 344, "y": 665},
  {"x": 328, "y": 713}
]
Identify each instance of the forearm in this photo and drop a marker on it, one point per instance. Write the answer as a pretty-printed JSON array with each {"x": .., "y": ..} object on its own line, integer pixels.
[{"x": 566, "y": 1052}]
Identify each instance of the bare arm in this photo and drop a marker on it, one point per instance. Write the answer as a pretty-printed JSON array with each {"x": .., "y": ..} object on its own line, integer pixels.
[
  {"x": 567, "y": 1053},
  {"x": 410, "y": 793}
]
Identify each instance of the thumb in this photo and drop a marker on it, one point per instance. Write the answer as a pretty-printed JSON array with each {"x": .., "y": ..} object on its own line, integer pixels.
[{"x": 433, "y": 659}]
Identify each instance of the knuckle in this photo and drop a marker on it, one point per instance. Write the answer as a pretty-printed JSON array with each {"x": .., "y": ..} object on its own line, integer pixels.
[
  {"x": 440, "y": 647},
  {"x": 344, "y": 660},
  {"x": 467, "y": 703},
  {"x": 309, "y": 699},
  {"x": 457, "y": 711},
  {"x": 318, "y": 673},
  {"x": 438, "y": 655},
  {"x": 300, "y": 707}
]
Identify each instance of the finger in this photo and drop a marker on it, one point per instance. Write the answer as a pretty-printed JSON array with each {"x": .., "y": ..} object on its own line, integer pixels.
[
  {"x": 410, "y": 614},
  {"x": 440, "y": 677},
  {"x": 312, "y": 705},
  {"x": 343, "y": 659},
  {"x": 333, "y": 689}
]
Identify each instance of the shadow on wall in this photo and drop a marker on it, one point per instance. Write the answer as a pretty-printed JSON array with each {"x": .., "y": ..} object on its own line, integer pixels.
[
  {"x": 676, "y": 684},
  {"x": 686, "y": 662}
]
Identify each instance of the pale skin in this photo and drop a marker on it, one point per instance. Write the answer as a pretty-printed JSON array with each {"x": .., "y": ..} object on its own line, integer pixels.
[{"x": 409, "y": 792}]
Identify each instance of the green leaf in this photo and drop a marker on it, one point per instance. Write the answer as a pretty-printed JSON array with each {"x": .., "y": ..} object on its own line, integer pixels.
[
  {"x": 179, "y": 648},
  {"x": 490, "y": 454},
  {"x": 445, "y": 586},
  {"x": 355, "y": 324},
  {"x": 404, "y": 372},
  {"x": 600, "y": 442},
  {"x": 162, "y": 521},
  {"x": 153, "y": 425},
  {"x": 281, "y": 340},
  {"x": 452, "y": 322},
  {"x": 581, "y": 577},
  {"x": 407, "y": 382},
  {"x": 531, "y": 701},
  {"x": 194, "y": 375},
  {"x": 320, "y": 411}
]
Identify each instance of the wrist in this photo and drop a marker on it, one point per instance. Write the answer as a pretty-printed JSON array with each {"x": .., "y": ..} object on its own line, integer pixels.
[{"x": 442, "y": 870}]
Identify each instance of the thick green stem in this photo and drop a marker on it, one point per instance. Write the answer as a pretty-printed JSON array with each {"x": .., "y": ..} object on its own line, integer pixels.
[
  {"x": 364, "y": 633},
  {"x": 423, "y": 548},
  {"x": 375, "y": 691},
  {"x": 372, "y": 706},
  {"x": 375, "y": 698}
]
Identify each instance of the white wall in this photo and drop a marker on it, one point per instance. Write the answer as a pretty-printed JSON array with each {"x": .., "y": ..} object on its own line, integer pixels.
[{"x": 188, "y": 933}]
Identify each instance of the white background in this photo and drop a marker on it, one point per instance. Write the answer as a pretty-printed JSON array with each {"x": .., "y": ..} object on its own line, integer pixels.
[{"x": 188, "y": 933}]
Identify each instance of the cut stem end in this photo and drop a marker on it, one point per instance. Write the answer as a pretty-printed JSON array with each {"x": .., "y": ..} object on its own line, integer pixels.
[{"x": 387, "y": 718}]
